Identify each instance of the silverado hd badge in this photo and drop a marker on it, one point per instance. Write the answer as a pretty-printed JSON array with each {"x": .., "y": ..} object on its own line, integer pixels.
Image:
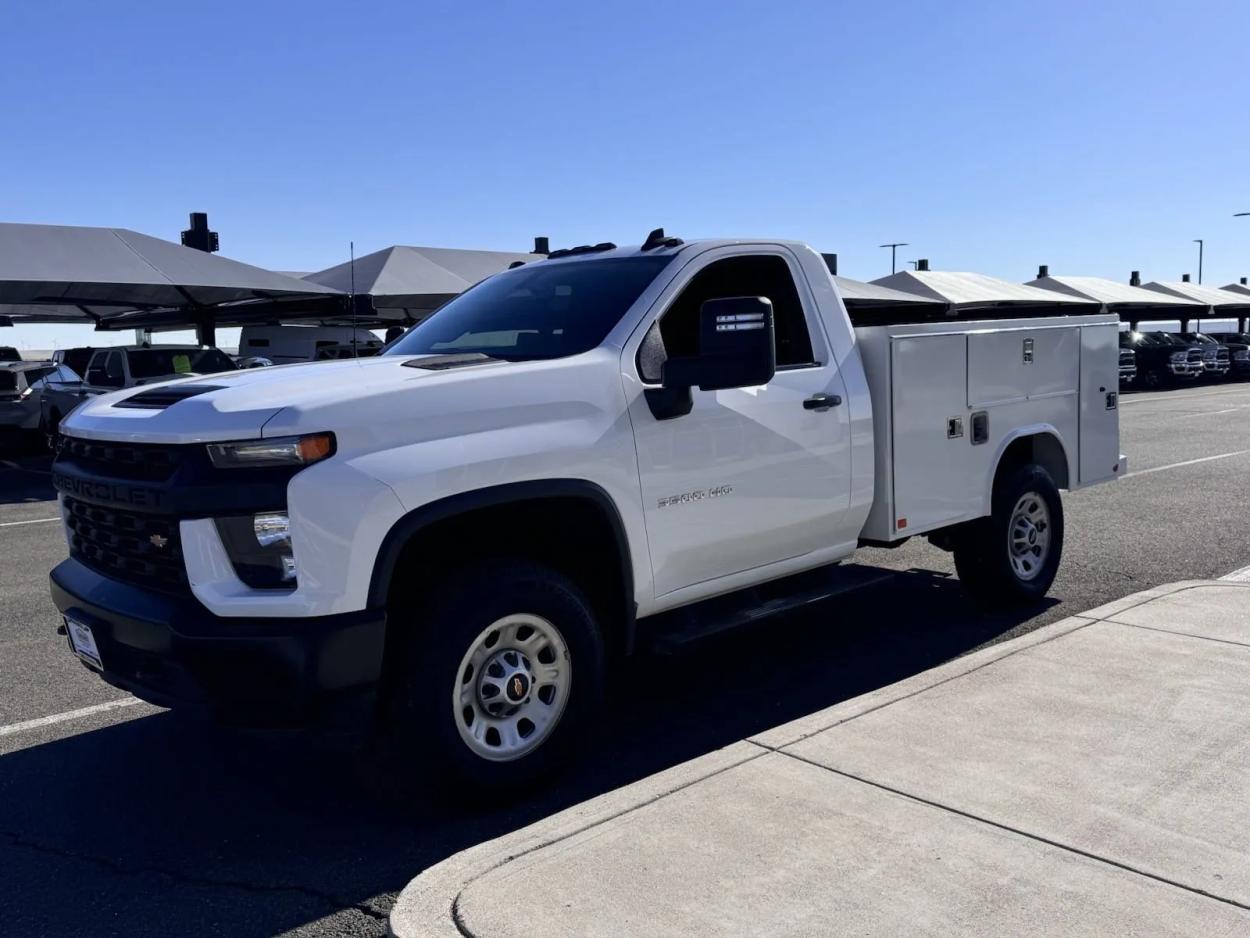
[{"x": 697, "y": 495}]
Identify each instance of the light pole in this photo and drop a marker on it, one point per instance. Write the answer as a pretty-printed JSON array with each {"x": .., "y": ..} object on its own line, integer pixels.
[
  {"x": 1198, "y": 241},
  {"x": 894, "y": 246}
]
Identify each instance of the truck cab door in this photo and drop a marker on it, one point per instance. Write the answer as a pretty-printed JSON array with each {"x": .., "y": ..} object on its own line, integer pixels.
[{"x": 750, "y": 476}]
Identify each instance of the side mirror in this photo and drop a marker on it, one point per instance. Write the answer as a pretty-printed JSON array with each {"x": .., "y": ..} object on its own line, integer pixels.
[
  {"x": 736, "y": 350},
  {"x": 736, "y": 347}
]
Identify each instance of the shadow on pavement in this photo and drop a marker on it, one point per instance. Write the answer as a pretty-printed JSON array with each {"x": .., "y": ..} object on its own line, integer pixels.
[
  {"x": 24, "y": 471},
  {"x": 157, "y": 826}
]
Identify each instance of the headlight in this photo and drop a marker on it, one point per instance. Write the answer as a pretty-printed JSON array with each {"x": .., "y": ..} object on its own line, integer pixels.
[
  {"x": 1179, "y": 356},
  {"x": 1242, "y": 355},
  {"x": 281, "y": 451},
  {"x": 259, "y": 547}
]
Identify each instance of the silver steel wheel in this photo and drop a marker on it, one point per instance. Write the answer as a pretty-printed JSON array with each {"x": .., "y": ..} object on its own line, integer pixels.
[
  {"x": 512, "y": 687},
  {"x": 1028, "y": 536}
]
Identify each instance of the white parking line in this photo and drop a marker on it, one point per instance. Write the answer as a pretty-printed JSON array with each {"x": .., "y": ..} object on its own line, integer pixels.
[
  {"x": 1174, "y": 396},
  {"x": 1214, "y": 413},
  {"x": 13, "y": 524},
  {"x": 68, "y": 715},
  {"x": 1188, "y": 462},
  {"x": 1238, "y": 576}
]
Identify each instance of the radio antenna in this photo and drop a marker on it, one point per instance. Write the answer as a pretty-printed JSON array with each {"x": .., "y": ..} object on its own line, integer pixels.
[{"x": 351, "y": 246}]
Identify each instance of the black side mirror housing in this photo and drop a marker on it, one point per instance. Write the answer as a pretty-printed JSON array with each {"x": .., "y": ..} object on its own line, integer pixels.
[{"x": 737, "y": 349}]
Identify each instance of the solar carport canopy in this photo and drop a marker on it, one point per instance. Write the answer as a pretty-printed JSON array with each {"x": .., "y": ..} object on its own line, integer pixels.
[
  {"x": 1216, "y": 300},
  {"x": 1111, "y": 293},
  {"x": 411, "y": 282},
  {"x": 104, "y": 271},
  {"x": 968, "y": 295},
  {"x": 869, "y": 304}
]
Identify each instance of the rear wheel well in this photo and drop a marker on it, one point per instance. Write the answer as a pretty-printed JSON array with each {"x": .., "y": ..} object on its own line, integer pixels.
[
  {"x": 1043, "y": 449},
  {"x": 572, "y": 535}
]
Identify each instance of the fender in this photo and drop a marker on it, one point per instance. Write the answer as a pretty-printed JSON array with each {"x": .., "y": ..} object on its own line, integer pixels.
[
  {"x": 1037, "y": 429},
  {"x": 411, "y": 524}
]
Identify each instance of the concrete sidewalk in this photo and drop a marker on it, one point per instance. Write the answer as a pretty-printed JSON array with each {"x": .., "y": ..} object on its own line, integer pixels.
[{"x": 1091, "y": 777}]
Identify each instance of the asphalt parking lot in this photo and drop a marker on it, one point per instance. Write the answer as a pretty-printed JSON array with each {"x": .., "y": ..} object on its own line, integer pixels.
[{"x": 118, "y": 818}]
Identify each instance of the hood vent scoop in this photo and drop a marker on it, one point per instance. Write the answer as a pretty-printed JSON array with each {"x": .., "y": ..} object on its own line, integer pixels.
[
  {"x": 160, "y": 398},
  {"x": 447, "y": 362}
]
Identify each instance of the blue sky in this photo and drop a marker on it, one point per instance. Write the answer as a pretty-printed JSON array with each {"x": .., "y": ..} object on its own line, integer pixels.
[{"x": 994, "y": 136}]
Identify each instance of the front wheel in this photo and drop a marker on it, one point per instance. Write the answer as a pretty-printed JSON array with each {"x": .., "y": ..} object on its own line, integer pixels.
[
  {"x": 1012, "y": 556},
  {"x": 500, "y": 679}
]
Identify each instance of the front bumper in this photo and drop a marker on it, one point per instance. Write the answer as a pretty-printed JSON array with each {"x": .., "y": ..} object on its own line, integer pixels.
[
  {"x": 172, "y": 652},
  {"x": 1128, "y": 374}
]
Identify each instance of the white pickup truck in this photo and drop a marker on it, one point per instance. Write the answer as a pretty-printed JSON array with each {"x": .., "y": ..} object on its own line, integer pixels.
[{"x": 468, "y": 527}]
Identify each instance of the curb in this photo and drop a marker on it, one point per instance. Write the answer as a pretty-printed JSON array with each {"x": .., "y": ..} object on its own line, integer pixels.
[{"x": 427, "y": 906}]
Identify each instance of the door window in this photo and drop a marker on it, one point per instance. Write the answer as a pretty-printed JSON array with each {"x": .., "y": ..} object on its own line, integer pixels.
[
  {"x": 111, "y": 375},
  {"x": 676, "y": 333}
]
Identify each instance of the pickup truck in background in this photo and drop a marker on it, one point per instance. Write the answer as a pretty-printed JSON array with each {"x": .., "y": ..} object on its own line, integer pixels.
[
  {"x": 1238, "y": 345},
  {"x": 1163, "y": 359},
  {"x": 128, "y": 366},
  {"x": 1128, "y": 366},
  {"x": 1215, "y": 355},
  {"x": 606, "y": 444}
]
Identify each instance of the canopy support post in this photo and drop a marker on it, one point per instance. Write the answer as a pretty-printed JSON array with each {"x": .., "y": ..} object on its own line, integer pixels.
[{"x": 206, "y": 331}]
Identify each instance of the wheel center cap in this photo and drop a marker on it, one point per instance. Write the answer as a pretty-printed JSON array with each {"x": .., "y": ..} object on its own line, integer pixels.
[{"x": 517, "y": 688}]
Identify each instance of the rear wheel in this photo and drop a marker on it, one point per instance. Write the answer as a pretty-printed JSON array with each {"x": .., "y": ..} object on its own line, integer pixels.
[
  {"x": 1013, "y": 555},
  {"x": 499, "y": 680}
]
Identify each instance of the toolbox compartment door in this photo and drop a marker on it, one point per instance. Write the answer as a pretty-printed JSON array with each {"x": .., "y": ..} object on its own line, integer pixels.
[
  {"x": 1021, "y": 364},
  {"x": 1099, "y": 435},
  {"x": 938, "y": 475}
]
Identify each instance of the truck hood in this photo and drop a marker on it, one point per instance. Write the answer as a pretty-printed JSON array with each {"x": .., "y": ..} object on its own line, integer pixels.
[{"x": 242, "y": 404}]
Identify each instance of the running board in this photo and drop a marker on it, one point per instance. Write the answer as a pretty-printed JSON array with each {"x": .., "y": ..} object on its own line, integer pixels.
[{"x": 668, "y": 632}]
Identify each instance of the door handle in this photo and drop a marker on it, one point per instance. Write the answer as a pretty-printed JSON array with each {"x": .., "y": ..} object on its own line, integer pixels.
[{"x": 822, "y": 402}]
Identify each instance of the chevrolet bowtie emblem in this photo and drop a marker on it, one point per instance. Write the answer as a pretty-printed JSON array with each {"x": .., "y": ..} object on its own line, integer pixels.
[{"x": 158, "y": 541}]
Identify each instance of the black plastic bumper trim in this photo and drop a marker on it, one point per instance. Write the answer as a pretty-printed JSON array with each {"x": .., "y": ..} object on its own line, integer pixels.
[{"x": 172, "y": 651}]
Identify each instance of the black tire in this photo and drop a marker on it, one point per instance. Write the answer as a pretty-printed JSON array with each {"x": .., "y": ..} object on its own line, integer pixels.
[
  {"x": 422, "y": 723},
  {"x": 983, "y": 552}
]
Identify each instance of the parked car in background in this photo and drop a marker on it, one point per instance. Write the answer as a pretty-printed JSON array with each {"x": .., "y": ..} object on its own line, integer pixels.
[
  {"x": 1128, "y": 366},
  {"x": 75, "y": 358},
  {"x": 1163, "y": 358},
  {"x": 1215, "y": 359},
  {"x": 9, "y": 354},
  {"x": 127, "y": 366},
  {"x": 19, "y": 405},
  {"x": 58, "y": 392},
  {"x": 1238, "y": 345},
  {"x": 286, "y": 345}
]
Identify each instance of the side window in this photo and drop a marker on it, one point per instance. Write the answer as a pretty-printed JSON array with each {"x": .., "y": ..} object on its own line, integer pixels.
[
  {"x": 676, "y": 334},
  {"x": 96, "y": 373},
  {"x": 114, "y": 375}
]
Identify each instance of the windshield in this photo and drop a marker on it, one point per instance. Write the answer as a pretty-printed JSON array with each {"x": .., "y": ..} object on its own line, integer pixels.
[
  {"x": 543, "y": 310},
  {"x": 158, "y": 362}
]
